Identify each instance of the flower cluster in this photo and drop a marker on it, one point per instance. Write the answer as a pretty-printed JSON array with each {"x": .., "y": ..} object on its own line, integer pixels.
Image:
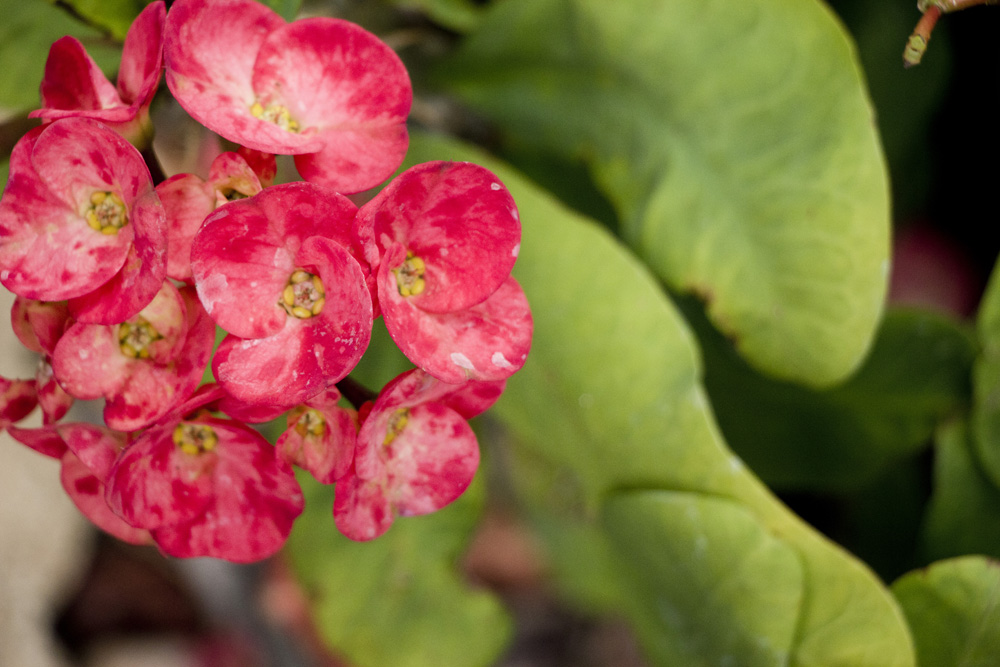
[{"x": 123, "y": 282}]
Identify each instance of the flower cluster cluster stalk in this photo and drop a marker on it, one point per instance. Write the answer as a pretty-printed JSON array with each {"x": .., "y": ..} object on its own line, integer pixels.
[{"x": 123, "y": 276}]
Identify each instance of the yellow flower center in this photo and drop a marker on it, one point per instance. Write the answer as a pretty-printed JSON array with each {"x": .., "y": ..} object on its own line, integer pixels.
[
  {"x": 310, "y": 422},
  {"x": 195, "y": 438},
  {"x": 134, "y": 338},
  {"x": 275, "y": 113},
  {"x": 303, "y": 296},
  {"x": 106, "y": 213},
  {"x": 397, "y": 422},
  {"x": 410, "y": 276}
]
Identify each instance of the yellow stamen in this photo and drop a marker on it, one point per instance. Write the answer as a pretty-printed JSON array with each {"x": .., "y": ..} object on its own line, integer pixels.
[
  {"x": 195, "y": 438},
  {"x": 303, "y": 296},
  {"x": 311, "y": 422},
  {"x": 410, "y": 276},
  {"x": 106, "y": 213},
  {"x": 397, "y": 422},
  {"x": 134, "y": 338},
  {"x": 275, "y": 113}
]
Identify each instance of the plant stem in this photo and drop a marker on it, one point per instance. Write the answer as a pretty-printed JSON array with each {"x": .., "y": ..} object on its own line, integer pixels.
[{"x": 916, "y": 45}]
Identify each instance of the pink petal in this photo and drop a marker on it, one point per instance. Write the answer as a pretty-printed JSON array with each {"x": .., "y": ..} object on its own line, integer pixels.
[
  {"x": 73, "y": 81},
  {"x": 39, "y": 324},
  {"x": 255, "y": 500},
  {"x": 187, "y": 201},
  {"x": 95, "y": 447},
  {"x": 52, "y": 397},
  {"x": 263, "y": 164},
  {"x": 155, "y": 484},
  {"x": 459, "y": 219},
  {"x": 87, "y": 493},
  {"x": 229, "y": 174},
  {"x": 45, "y": 440},
  {"x": 489, "y": 341},
  {"x": 142, "y": 56},
  {"x": 88, "y": 361},
  {"x": 328, "y": 455},
  {"x": 17, "y": 399},
  {"x": 209, "y": 51},
  {"x": 361, "y": 509}
]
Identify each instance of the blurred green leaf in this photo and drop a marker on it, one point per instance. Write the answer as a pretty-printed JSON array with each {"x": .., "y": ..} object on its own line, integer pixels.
[
  {"x": 398, "y": 600},
  {"x": 459, "y": 15},
  {"x": 113, "y": 16},
  {"x": 986, "y": 380},
  {"x": 839, "y": 439},
  {"x": 27, "y": 31},
  {"x": 734, "y": 138},
  {"x": 964, "y": 512},
  {"x": 953, "y": 608},
  {"x": 610, "y": 400},
  {"x": 288, "y": 9}
]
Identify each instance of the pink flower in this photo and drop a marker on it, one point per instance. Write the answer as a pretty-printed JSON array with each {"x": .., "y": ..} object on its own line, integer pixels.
[
  {"x": 415, "y": 454},
  {"x": 442, "y": 238},
  {"x": 322, "y": 89},
  {"x": 205, "y": 486},
  {"x": 74, "y": 85},
  {"x": 320, "y": 437},
  {"x": 39, "y": 325},
  {"x": 188, "y": 200},
  {"x": 146, "y": 366},
  {"x": 79, "y": 220},
  {"x": 275, "y": 272}
]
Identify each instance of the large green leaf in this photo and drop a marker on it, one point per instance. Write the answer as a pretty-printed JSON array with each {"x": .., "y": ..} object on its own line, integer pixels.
[
  {"x": 964, "y": 513},
  {"x": 734, "y": 138},
  {"x": 400, "y": 599},
  {"x": 610, "y": 400},
  {"x": 953, "y": 607},
  {"x": 460, "y": 15},
  {"x": 841, "y": 438},
  {"x": 27, "y": 31}
]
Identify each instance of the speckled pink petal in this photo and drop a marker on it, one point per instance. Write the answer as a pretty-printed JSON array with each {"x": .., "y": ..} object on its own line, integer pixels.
[
  {"x": 455, "y": 216},
  {"x": 45, "y": 440},
  {"x": 326, "y": 455},
  {"x": 17, "y": 399},
  {"x": 300, "y": 210},
  {"x": 155, "y": 484},
  {"x": 255, "y": 499},
  {"x": 88, "y": 361},
  {"x": 87, "y": 493},
  {"x": 240, "y": 266},
  {"x": 187, "y": 200},
  {"x": 142, "y": 56},
  {"x": 73, "y": 81},
  {"x": 53, "y": 399},
  {"x": 94, "y": 446},
  {"x": 209, "y": 52},
  {"x": 263, "y": 164},
  {"x": 39, "y": 324},
  {"x": 230, "y": 174},
  {"x": 361, "y": 509},
  {"x": 489, "y": 341}
]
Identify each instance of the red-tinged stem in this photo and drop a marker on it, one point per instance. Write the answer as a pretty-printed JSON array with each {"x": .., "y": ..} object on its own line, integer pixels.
[
  {"x": 356, "y": 393},
  {"x": 916, "y": 45},
  {"x": 948, "y": 6}
]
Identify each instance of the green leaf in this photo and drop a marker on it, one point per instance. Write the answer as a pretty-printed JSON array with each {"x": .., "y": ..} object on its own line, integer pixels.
[
  {"x": 398, "y": 600},
  {"x": 964, "y": 513},
  {"x": 27, "y": 31},
  {"x": 750, "y": 176},
  {"x": 112, "y": 16},
  {"x": 288, "y": 9},
  {"x": 710, "y": 584},
  {"x": 459, "y": 15},
  {"x": 986, "y": 381},
  {"x": 842, "y": 438},
  {"x": 953, "y": 607},
  {"x": 610, "y": 400}
]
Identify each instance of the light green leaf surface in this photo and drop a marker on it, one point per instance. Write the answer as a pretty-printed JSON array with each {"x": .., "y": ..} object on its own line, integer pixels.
[
  {"x": 840, "y": 439},
  {"x": 27, "y": 30},
  {"x": 610, "y": 400},
  {"x": 964, "y": 512},
  {"x": 953, "y": 608},
  {"x": 986, "y": 381},
  {"x": 398, "y": 600},
  {"x": 734, "y": 138},
  {"x": 288, "y": 9}
]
